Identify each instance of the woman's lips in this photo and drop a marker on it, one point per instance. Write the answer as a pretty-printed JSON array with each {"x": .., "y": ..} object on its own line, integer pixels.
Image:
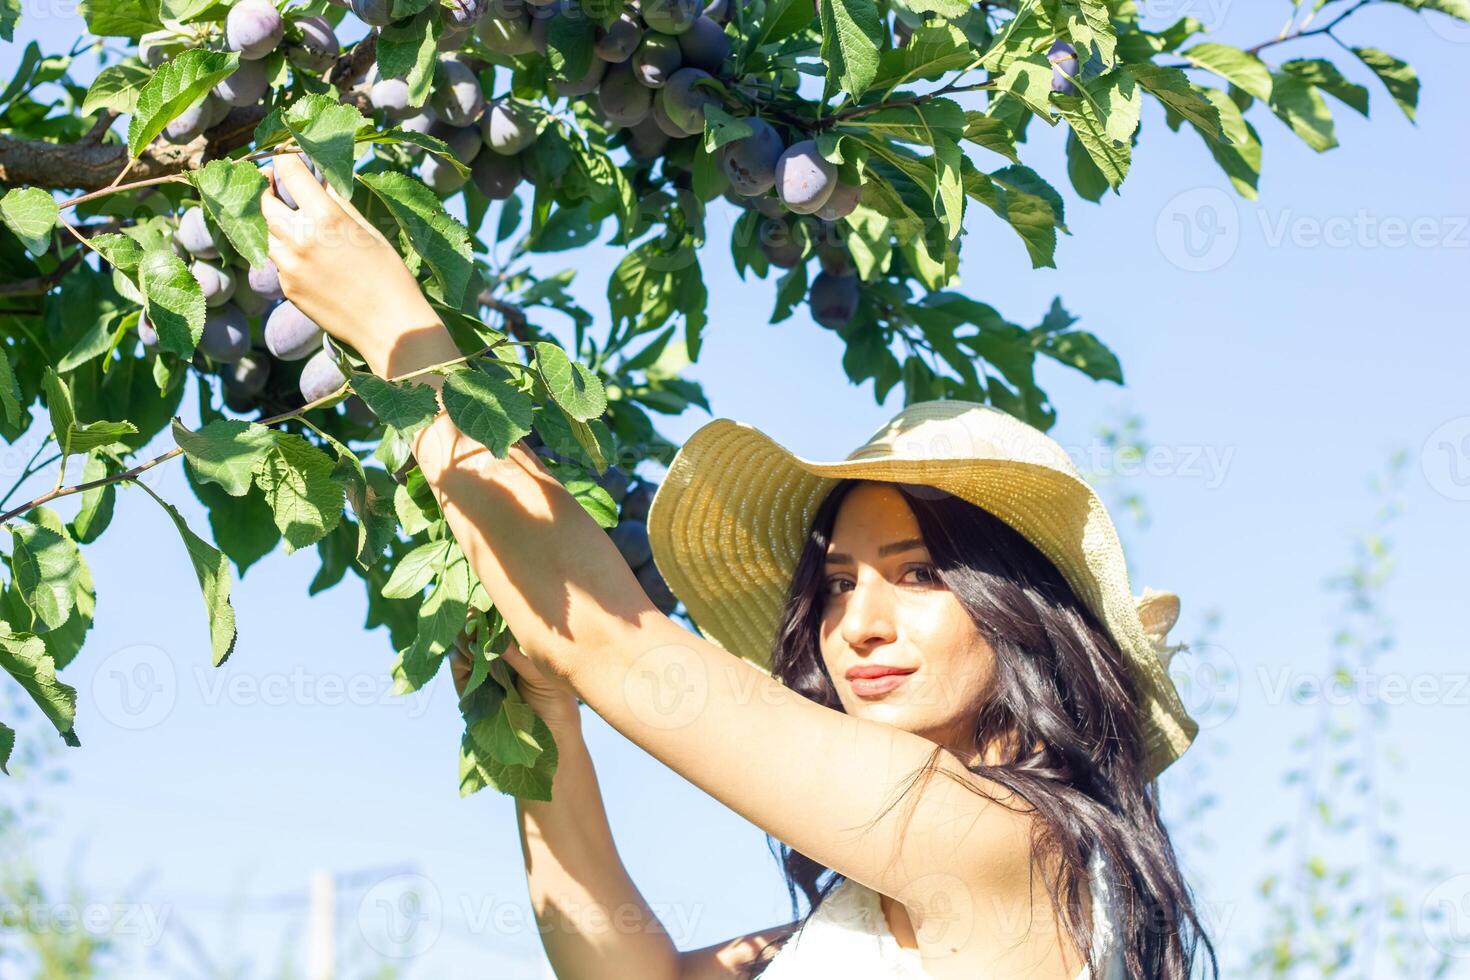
[{"x": 876, "y": 687}]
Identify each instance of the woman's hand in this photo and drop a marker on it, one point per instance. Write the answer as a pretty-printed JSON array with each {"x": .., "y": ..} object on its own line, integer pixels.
[
  {"x": 543, "y": 691},
  {"x": 346, "y": 276}
]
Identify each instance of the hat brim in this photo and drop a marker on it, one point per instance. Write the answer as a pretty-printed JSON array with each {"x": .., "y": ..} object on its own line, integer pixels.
[{"x": 731, "y": 517}]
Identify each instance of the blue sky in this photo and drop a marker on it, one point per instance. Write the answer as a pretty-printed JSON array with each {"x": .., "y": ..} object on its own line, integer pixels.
[{"x": 1273, "y": 383}]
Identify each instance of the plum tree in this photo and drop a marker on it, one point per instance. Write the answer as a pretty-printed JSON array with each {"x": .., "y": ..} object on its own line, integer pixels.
[
  {"x": 317, "y": 48},
  {"x": 290, "y": 334},
  {"x": 833, "y": 299},
  {"x": 750, "y": 162},
  {"x": 804, "y": 178},
  {"x": 704, "y": 45},
  {"x": 1063, "y": 58},
  {"x": 507, "y": 128},
  {"x": 617, "y": 41},
  {"x": 657, "y": 58},
  {"x": 194, "y": 234},
  {"x": 254, "y": 28},
  {"x": 878, "y": 138},
  {"x": 622, "y": 98},
  {"x": 458, "y": 98},
  {"x": 246, "y": 85},
  {"x": 670, "y": 16},
  {"x": 495, "y": 175},
  {"x": 684, "y": 99},
  {"x": 320, "y": 376},
  {"x": 226, "y": 334}
]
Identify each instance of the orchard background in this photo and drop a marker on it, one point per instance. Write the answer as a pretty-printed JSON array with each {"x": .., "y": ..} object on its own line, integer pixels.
[{"x": 1169, "y": 283}]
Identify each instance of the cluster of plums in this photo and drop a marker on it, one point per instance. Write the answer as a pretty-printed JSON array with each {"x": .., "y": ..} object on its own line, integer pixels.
[
  {"x": 633, "y": 495},
  {"x": 233, "y": 294}
]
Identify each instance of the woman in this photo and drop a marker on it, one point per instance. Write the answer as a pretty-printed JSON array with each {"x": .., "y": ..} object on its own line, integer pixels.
[{"x": 1047, "y": 713}]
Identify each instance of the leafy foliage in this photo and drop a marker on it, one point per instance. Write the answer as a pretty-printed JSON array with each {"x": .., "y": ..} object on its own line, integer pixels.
[{"x": 152, "y": 282}]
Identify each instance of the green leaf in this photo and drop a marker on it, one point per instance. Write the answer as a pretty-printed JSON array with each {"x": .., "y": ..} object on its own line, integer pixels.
[
  {"x": 225, "y": 452},
  {"x": 852, "y": 32},
  {"x": 440, "y": 619},
  {"x": 172, "y": 300},
  {"x": 782, "y": 19},
  {"x": 509, "y": 734},
  {"x": 212, "y": 569},
  {"x": 1400, "y": 79},
  {"x": 479, "y": 769},
  {"x": 74, "y": 437},
  {"x": 47, "y": 567},
  {"x": 241, "y": 526},
  {"x": 174, "y": 87},
  {"x": 569, "y": 43},
  {"x": 1298, "y": 104},
  {"x": 1241, "y": 158},
  {"x": 104, "y": 337},
  {"x": 1090, "y": 28},
  {"x": 488, "y": 409},
  {"x": 30, "y": 213},
  {"x": 9, "y": 391},
  {"x": 24, "y": 657},
  {"x": 1240, "y": 68},
  {"x": 720, "y": 127},
  {"x": 123, "y": 252},
  {"x": 416, "y": 570},
  {"x": 117, "y": 87},
  {"x": 1325, "y": 75},
  {"x": 7, "y": 734},
  {"x": 9, "y": 17},
  {"x": 1029, "y": 79},
  {"x": 1174, "y": 89},
  {"x": 327, "y": 131},
  {"x": 1088, "y": 180},
  {"x": 443, "y": 242},
  {"x": 991, "y": 133},
  {"x": 1104, "y": 115},
  {"x": 408, "y": 49},
  {"x": 932, "y": 52},
  {"x": 924, "y": 124},
  {"x": 230, "y": 192},
  {"x": 97, "y": 505},
  {"x": 1083, "y": 351},
  {"x": 574, "y": 386},
  {"x": 121, "y": 18},
  {"x": 407, "y": 406},
  {"x": 436, "y": 146},
  {"x": 297, "y": 480}
]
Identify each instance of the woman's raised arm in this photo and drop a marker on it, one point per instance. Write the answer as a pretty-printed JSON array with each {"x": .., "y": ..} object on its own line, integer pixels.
[{"x": 821, "y": 781}]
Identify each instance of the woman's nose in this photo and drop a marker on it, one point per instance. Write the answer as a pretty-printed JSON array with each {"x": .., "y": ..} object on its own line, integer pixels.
[{"x": 868, "y": 616}]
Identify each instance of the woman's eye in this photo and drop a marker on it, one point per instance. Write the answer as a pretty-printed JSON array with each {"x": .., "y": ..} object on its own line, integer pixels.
[{"x": 930, "y": 576}]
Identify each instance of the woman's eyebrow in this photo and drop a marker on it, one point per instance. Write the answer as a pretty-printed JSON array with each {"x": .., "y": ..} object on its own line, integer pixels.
[{"x": 840, "y": 558}]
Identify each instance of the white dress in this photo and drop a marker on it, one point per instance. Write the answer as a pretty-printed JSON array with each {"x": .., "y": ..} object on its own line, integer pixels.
[{"x": 848, "y": 937}]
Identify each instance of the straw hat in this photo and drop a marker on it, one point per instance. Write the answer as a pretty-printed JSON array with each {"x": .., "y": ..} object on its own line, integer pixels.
[{"x": 732, "y": 515}]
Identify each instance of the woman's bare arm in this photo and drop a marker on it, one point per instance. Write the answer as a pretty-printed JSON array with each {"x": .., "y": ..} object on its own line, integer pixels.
[
  {"x": 594, "y": 922},
  {"x": 819, "y": 780}
]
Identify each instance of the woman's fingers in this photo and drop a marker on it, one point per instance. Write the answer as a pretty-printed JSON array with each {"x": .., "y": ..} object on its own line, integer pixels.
[{"x": 300, "y": 183}]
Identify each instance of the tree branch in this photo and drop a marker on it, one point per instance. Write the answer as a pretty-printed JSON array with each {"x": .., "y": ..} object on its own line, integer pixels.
[{"x": 91, "y": 166}]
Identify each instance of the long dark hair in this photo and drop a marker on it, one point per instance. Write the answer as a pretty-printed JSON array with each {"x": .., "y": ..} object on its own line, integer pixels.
[{"x": 1060, "y": 682}]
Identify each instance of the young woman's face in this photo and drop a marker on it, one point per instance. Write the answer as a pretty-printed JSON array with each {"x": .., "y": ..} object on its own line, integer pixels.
[{"x": 885, "y": 607}]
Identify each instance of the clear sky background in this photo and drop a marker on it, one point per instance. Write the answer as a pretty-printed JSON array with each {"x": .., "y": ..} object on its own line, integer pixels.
[{"x": 1273, "y": 384}]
